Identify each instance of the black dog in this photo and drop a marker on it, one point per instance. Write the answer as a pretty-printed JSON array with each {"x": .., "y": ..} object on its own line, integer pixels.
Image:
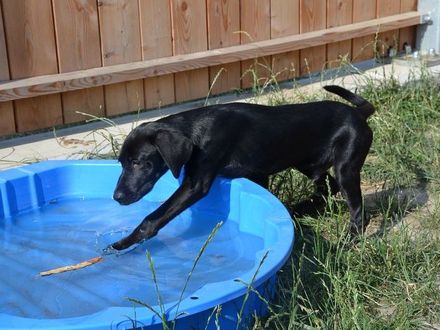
[{"x": 246, "y": 140}]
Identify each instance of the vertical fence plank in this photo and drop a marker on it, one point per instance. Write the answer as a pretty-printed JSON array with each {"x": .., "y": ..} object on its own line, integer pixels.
[
  {"x": 29, "y": 36},
  {"x": 190, "y": 35},
  {"x": 284, "y": 21},
  {"x": 391, "y": 38},
  {"x": 4, "y": 65},
  {"x": 78, "y": 45},
  {"x": 38, "y": 112},
  {"x": 339, "y": 12},
  {"x": 157, "y": 42},
  {"x": 408, "y": 35},
  {"x": 76, "y": 25},
  {"x": 223, "y": 31},
  {"x": 121, "y": 43},
  {"x": 313, "y": 17},
  {"x": 7, "y": 120},
  {"x": 255, "y": 26},
  {"x": 30, "y": 39},
  {"x": 363, "y": 47}
]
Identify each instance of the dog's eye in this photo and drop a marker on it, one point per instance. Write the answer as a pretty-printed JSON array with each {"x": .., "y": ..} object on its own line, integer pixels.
[{"x": 148, "y": 165}]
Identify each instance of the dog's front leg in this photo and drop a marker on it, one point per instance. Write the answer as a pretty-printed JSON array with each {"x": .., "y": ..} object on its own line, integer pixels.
[{"x": 187, "y": 194}]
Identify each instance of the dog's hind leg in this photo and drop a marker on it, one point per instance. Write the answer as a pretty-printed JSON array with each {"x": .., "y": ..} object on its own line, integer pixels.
[
  {"x": 349, "y": 157},
  {"x": 348, "y": 177}
]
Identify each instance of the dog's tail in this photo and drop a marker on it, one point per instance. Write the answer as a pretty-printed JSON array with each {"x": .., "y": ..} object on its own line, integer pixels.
[{"x": 365, "y": 107}]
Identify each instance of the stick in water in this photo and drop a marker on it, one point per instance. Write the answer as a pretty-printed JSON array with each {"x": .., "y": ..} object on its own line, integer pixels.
[{"x": 72, "y": 267}]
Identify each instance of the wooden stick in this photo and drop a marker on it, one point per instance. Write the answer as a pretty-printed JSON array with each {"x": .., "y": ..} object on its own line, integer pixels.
[{"x": 69, "y": 268}]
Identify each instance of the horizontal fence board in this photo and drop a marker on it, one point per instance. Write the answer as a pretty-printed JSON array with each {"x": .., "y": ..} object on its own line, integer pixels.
[{"x": 42, "y": 85}]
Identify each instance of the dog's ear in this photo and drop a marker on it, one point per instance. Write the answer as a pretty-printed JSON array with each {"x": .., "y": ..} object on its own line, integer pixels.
[{"x": 174, "y": 148}]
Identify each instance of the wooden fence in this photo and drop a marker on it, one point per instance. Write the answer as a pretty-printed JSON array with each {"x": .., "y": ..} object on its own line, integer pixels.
[{"x": 108, "y": 57}]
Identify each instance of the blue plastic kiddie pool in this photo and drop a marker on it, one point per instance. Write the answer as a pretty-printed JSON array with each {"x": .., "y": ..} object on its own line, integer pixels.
[{"x": 57, "y": 213}]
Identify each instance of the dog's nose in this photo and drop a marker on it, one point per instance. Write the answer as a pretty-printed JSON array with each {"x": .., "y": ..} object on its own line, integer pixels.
[{"x": 118, "y": 196}]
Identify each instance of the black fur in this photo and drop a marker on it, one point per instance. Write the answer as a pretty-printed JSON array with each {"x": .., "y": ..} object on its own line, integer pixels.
[{"x": 251, "y": 141}]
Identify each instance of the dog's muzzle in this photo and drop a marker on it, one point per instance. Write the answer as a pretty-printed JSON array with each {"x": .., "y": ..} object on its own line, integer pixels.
[{"x": 121, "y": 198}]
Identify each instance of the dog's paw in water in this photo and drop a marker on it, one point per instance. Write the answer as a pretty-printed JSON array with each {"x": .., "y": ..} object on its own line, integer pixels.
[
  {"x": 106, "y": 243},
  {"x": 121, "y": 245},
  {"x": 109, "y": 250}
]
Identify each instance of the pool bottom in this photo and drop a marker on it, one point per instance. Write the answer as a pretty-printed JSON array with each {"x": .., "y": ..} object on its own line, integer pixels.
[{"x": 67, "y": 231}]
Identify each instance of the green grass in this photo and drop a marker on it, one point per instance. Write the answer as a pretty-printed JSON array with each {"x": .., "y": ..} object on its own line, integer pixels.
[{"x": 389, "y": 278}]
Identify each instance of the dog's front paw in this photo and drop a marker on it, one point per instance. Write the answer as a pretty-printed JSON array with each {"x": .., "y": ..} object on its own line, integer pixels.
[
  {"x": 109, "y": 250},
  {"x": 124, "y": 243},
  {"x": 143, "y": 232},
  {"x": 118, "y": 246}
]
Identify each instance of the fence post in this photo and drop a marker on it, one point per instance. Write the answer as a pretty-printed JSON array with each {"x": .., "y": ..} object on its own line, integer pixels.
[{"x": 428, "y": 34}]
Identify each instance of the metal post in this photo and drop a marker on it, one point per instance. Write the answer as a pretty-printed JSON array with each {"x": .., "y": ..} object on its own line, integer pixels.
[{"x": 428, "y": 33}]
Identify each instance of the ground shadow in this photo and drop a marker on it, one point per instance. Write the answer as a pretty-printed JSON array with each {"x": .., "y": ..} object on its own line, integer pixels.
[
  {"x": 390, "y": 206},
  {"x": 394, "y": 203}
]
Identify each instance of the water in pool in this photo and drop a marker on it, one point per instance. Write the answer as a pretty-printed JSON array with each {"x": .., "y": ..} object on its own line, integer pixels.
[{"x": 72, "y": 230}]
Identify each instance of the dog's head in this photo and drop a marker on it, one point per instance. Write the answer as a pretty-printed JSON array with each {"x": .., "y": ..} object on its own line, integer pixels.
[{"x": 146, "y": 154}]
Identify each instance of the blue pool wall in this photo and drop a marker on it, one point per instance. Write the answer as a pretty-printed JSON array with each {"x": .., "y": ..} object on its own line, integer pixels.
[{"x": 33, "y": 186}]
